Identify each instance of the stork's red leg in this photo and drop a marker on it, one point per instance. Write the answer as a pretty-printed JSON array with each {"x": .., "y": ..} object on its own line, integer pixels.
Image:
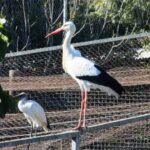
[
  {"x": 84, "y": 109},
  {"x": 81, "y": 111}
]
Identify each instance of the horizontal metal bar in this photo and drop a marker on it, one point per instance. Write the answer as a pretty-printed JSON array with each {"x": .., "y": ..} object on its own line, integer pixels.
[
  {"x": 33, "y": 51},
  {"x": 114, "y": 39},
  {"x": 74, "y": 133},
  {"x": 106, "y": 40},
  {"x": 119, "y": 122},
  {"x": 63, "y": 135}
]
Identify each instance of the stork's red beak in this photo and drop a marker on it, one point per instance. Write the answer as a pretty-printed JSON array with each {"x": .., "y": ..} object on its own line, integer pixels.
[{"x": 55, "y": 32}]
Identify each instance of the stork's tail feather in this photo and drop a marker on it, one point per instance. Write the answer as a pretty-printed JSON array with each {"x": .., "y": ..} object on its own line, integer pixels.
[
  {"x": 110, "y": 82},
  {"x": 116, "y": 86}
]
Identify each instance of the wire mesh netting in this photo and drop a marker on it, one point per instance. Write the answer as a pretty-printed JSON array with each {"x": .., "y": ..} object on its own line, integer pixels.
[
  {"x": 40, "y": 74},
  {"x": 50, "y": 145},
  {"x": 130, "y": 137}
]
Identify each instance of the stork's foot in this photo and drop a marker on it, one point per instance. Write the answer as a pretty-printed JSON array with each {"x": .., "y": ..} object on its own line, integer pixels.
[
  {"x": 83, "y": 126},
  {"x": 80, "y": 127}
]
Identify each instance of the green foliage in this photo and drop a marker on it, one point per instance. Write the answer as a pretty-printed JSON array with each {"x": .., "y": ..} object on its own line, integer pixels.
[
  {"x": 7, "y": 103},
  {"x": 4, "y": 40},
  {"x": 112, "y": 18},
  {"x": 146, "y": 43},
  {"x": 127, "y": 11}
]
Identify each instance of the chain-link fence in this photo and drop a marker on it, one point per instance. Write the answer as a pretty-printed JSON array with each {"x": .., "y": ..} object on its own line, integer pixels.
[{"x": 39, "y": 73}]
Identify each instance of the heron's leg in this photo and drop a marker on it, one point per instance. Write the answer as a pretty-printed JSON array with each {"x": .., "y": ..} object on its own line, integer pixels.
[
  {"x": 84, "y": 109},
  {"x": 81, "y": 111},
  {"x": 28, "y": 146},
  {"x": 36, "y": 131},
  {"x": 31, "y": 129}
]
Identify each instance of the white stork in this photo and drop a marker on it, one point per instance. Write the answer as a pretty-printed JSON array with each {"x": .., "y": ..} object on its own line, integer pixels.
[
  {"x": 86, "y": 73},
  {"x": 33, "y": 112}
]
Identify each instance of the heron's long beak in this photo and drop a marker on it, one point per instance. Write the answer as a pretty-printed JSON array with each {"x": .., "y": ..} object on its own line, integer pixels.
[
  {"x": 55, "y": 32},
  {"x": 16, "y": 96}
]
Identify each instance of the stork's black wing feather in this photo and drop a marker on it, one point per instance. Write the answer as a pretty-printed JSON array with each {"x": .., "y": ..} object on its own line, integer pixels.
[{"x": 104, "y": 79}]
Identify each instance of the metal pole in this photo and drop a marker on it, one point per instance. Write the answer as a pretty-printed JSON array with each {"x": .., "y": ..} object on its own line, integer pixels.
[
  {"x": 11, "y": 76},
  {"x": 76, "y": 143},
  {"x": 64, "y": 11}
]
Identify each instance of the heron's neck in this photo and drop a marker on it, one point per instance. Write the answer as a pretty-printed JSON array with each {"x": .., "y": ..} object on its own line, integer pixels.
[
  {"x": 21, "y": 104},
  {"x": 22, "y": 100}
]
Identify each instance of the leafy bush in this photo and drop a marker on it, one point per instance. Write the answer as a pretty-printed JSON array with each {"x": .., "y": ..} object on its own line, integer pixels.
[{"x": 7, "y": 103}]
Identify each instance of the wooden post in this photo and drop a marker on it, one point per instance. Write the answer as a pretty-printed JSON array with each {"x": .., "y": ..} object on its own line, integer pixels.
[
  {"x": 76, "y": 143},
  {"x": 11, "y": 76}
]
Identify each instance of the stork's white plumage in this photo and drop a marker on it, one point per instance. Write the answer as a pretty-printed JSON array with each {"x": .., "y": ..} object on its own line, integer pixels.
[
  {"x": 87, "y": 74},
  {"x": 33, "y": 112},
  {"x": 75, "y": 52}
]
